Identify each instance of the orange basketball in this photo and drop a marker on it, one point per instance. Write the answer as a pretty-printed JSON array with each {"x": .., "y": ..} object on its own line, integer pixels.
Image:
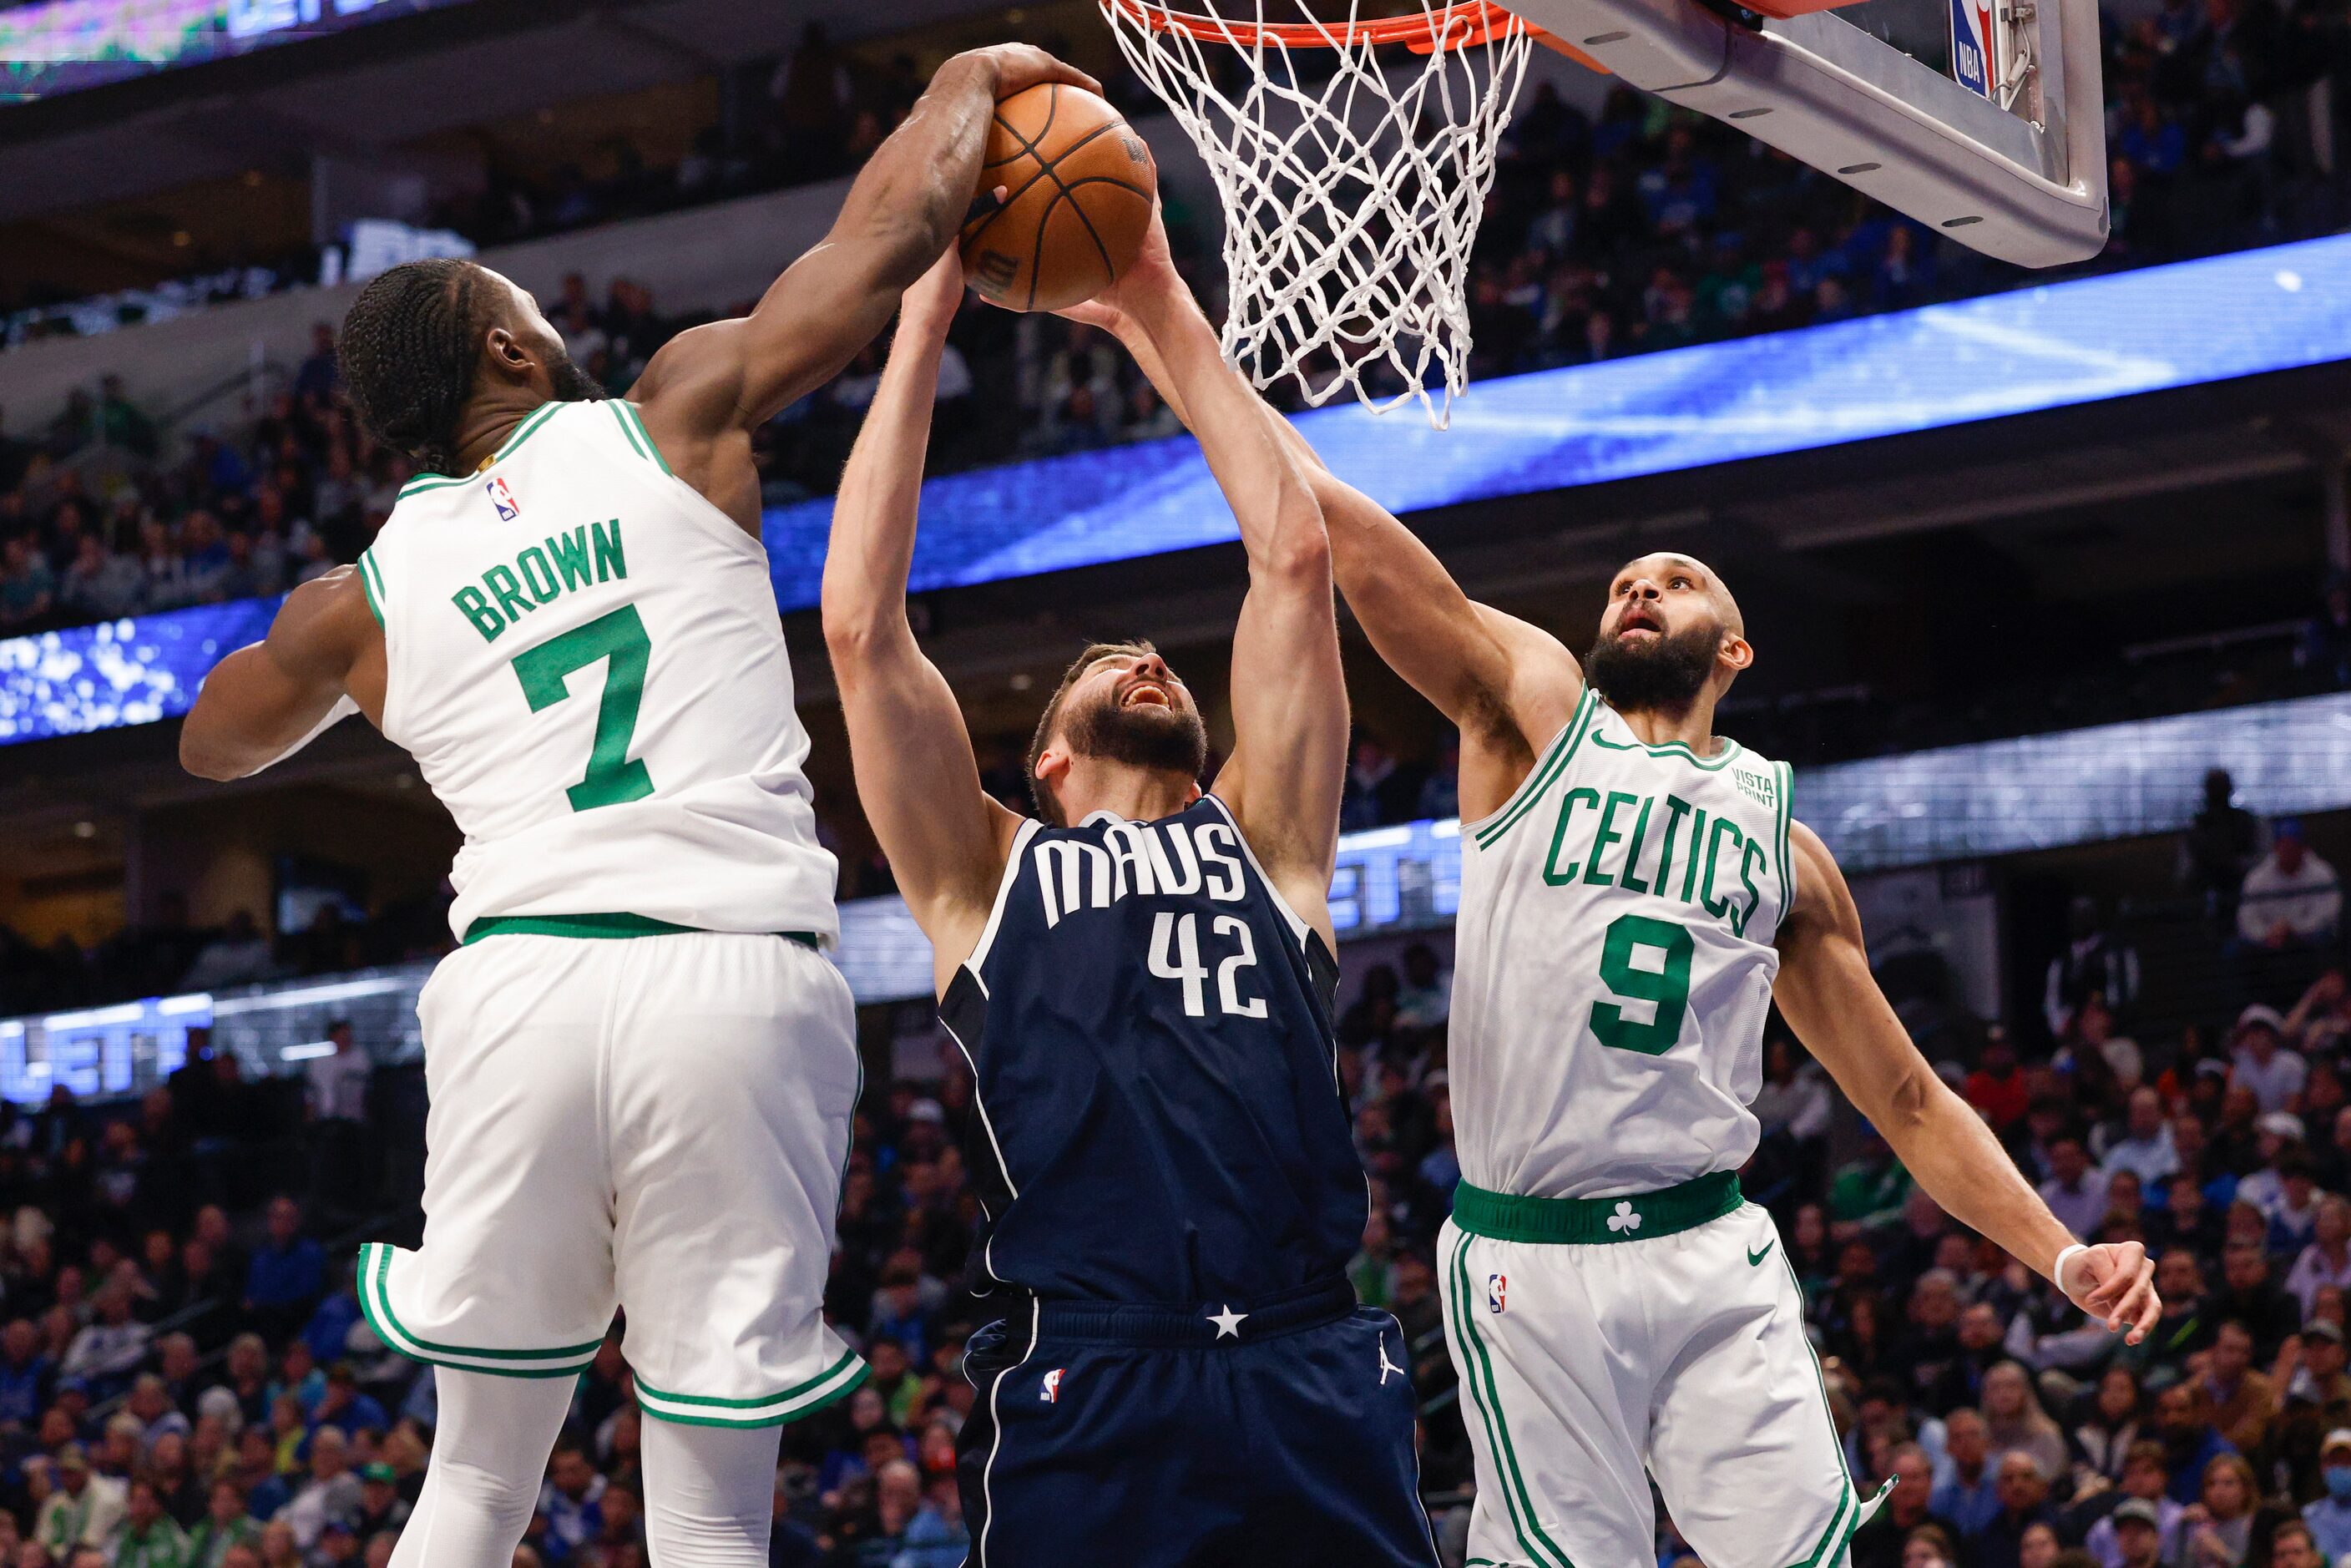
[{"x": 1078, "y": 191}]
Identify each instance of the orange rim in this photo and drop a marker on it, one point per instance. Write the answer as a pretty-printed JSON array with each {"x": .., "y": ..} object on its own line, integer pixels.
[{"x": 1457, "y": 25}]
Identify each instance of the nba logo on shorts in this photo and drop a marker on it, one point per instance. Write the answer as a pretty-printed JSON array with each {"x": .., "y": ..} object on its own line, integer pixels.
[
  {"x": 1497, "y": 1286},
  {"x": 503, "y": 499},
  {"x": 1050, "y": 1393}
]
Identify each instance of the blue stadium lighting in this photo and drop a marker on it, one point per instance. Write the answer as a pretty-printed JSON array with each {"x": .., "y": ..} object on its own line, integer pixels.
[{"x": 2058, "y": 346}]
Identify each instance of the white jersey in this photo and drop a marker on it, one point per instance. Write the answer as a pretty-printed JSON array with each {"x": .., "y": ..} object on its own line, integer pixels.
[
  {"x": 585, "y": 658},
  {"x": 1614, "y": 962}
]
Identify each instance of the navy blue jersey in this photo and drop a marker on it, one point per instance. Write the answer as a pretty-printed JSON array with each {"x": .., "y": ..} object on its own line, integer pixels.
[{"x": 1149, "y": 1027}]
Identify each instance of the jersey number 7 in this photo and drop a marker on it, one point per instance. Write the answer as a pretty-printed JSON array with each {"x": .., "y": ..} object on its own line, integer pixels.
[{"x": 613, "y": 776}]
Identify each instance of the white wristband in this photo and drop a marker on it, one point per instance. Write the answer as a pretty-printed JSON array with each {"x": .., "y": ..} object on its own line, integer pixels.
[{"x": 2057, "y": 1269}]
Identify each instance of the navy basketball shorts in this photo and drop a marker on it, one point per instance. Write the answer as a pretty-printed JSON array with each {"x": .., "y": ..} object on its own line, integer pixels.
[{"x": 1275, "y": 1433}]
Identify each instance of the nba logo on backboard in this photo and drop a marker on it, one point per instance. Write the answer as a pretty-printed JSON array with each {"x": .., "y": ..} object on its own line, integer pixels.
[
  {"x": 1497, "y": 1285},
  {"x": 503, "y": 499},
  {"x": 1975, "y": 45},
  {"x": 1050, "y": 1393}
]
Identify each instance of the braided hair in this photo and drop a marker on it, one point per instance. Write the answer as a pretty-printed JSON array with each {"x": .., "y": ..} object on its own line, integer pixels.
[{"x": 408, "y": 352}]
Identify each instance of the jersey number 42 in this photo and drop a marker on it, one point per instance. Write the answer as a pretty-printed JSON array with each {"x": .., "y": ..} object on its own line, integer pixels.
[{"x": 1176, "y": 956}]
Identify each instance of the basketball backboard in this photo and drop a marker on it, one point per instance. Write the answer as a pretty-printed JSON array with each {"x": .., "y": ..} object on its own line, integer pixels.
[{"x": 2006, "y": 154}]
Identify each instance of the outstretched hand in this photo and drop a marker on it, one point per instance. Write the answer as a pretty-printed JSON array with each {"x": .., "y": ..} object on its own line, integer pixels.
[{"x": 2115, "y": 1282}]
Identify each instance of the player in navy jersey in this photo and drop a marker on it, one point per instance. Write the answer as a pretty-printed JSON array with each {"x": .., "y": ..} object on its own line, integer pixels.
[{"x": 1142, "y": 982}]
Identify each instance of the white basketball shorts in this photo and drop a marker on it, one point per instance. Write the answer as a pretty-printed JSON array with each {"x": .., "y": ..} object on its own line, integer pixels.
[
  {"x": 1603, "y": 1342},
  {"x": 653, "y": 1122}
]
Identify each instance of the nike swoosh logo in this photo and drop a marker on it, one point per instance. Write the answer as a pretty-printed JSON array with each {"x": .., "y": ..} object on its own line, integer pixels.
[{"x": 1754, "y": 1259}]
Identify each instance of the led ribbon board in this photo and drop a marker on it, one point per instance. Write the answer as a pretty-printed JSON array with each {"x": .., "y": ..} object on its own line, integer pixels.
[
  {"x": 2053, "y": 347},
  {"x": 59, "y": 46},
  {"x": 1882, "y": 814}
]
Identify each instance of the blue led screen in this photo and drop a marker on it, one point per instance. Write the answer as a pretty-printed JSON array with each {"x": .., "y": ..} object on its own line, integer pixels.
[{"x": 2053, "y": 346}]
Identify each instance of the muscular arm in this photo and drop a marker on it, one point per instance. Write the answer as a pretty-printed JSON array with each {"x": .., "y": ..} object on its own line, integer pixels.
[
  {"x": 915, "y": 774},
  {"x": 1288, "y": 693},
  {"x": 1832, "y": 1001},
  {"x": 707, "y": 389},
  {"x": 266, "y": 701},
  {"x": 1508, "y": 686}
]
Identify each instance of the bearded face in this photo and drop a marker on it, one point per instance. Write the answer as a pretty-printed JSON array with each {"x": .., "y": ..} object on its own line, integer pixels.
[
  {"x": 571, "y": 384},
  {"x": 1164, "y": 736},
  {"x": 1664, "y": 671}
]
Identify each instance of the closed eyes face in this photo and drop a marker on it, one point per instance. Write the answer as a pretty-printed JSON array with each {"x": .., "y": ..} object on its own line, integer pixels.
[{"x": 1133, "y": 681}]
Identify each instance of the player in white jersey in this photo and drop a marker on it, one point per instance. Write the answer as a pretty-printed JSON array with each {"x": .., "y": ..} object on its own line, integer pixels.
[
  {"x": 641, "y": 1068},
  {"x": 1635, "y": 896}
]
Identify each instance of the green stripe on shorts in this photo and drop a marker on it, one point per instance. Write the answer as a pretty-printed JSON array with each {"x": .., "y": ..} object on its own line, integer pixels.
[{"x": 1475, "y": 1362}]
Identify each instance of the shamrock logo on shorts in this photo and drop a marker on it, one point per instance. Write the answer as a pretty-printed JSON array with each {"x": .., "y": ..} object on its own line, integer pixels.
[{"x": 1624, "y": 1220}]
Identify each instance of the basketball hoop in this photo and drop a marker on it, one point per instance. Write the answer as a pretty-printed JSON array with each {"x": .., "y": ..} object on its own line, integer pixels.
[{"x": 1352, "y": 200}]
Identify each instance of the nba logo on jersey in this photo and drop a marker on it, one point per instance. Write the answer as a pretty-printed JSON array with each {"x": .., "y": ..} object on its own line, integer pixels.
[
  {"x": 1050, "y": 1393},
  {"x": 1497, "y": 1286},
  {"x": 503, "y": 499},
  {"x": 1975, "y": 45}
]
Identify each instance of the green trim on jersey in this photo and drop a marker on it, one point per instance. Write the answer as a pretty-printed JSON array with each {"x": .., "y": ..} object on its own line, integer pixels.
[
  {"x": 371, "y": 584},
  {"x": 1730, "y": 748},
  {"x": 522, "y": 433},
  {"x": 1545, "y": 772},
  {"x": 1487, "y": 1396},
  {"x": 374, "y": 1280},
  {"x": 627, "y": 433},
  {"x": 1787, "y": 862},
  {"x": 1596, "y": 1221},
  {"x": 804, "y": 1398},
  {"x": 601, "y": 927},
  {"x": 424, "y": 482},
  {"x": 644, "y": 438}
]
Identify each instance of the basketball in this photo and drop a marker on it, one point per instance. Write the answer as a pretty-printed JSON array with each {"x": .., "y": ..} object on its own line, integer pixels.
[{"x": 1079, "y": 184}]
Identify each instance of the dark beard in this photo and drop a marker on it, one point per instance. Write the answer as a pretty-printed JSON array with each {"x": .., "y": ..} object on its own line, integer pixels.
[
  {"x": 1666, "y": 675},
  {"x": 570, "y": 383},
  {"x": 1163, "y": 739}
]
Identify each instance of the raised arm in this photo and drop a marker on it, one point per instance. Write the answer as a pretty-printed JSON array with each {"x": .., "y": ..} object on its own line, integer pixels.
[
  {"x": 1507, "y": 684},
  {"x": 709, "y": 387},
  {"x": 1832, "y": 1001},
  {"x": 917, "y": 777},
  {"x": 1288, "y": 692},
  {"x": 323, "y": 659}
]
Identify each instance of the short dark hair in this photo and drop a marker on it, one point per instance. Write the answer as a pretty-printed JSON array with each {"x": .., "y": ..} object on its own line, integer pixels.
[
  {"x": 1047, "y": 808},
  {"x": 409, "y": 350}
]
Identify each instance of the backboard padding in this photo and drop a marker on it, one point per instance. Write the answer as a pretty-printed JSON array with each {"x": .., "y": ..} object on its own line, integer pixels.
[{"x": 1825, "y": 91}]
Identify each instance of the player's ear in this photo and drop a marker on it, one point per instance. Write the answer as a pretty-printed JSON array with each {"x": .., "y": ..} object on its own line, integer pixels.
[
  {"x": 1737, "y": 651},
  {"x": 507, "y": 355},
  {"x": 1051, "y": 764}
]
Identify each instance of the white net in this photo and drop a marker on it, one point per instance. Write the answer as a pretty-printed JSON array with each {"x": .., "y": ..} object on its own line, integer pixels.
[{"x": 1352, "y": 173}]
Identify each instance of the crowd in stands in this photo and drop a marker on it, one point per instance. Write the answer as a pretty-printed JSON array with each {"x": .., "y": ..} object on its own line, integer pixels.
[
  {"x": 186, "y": 1380},
  {"x": 1641, "y": 228},
  {"x": 174, "y": 954}
]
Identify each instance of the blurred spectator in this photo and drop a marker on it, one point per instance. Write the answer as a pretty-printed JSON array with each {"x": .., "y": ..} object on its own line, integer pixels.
[
  {"x": 2096, "y": 961},
  {"x": 1997, "y": 1088},
  {"x": 2287, "y": 915},
  {"x": 2222, "y": 843},
  {"x": 2146, "y": 1149},
  {"x": 2258, "y": 1061}
]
